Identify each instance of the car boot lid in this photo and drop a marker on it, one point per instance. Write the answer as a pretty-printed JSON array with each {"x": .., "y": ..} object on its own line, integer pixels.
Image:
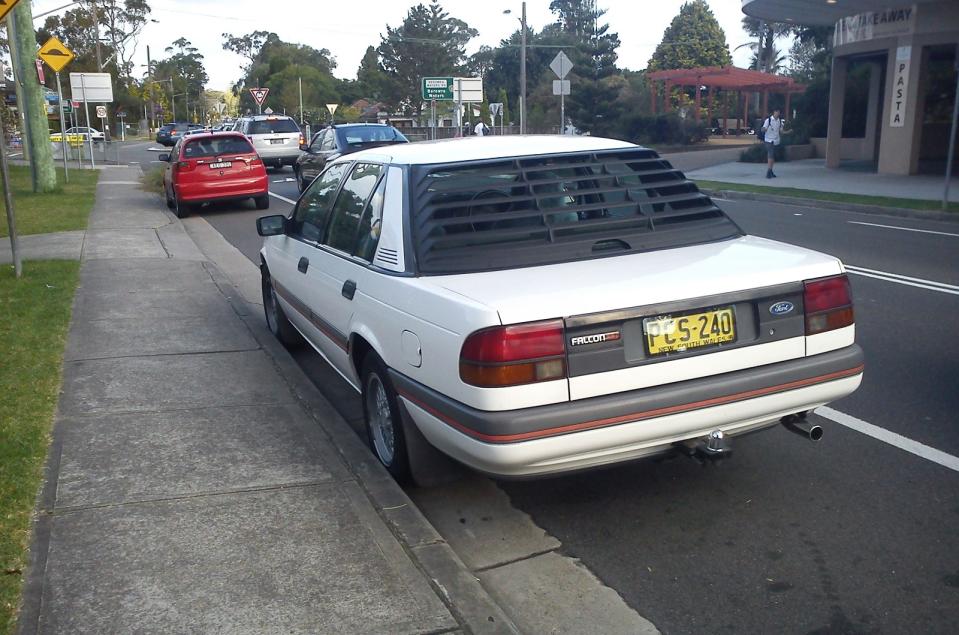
[{"x": 605, "y": 284}]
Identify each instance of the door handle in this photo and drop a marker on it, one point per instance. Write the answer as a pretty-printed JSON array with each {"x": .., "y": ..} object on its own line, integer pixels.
[
  {"x": 349, "y": 289},
  {"x": 303, "y": 265}
]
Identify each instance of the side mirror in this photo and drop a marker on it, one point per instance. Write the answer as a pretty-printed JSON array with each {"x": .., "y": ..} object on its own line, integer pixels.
[
  {"x": 165, "y": 156},
  {"x": 273, "y": 225},
  {"x": 304, "y": 147}
]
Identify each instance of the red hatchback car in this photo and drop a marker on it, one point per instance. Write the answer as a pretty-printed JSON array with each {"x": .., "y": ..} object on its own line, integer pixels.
[{"x": 219, "y": 166}]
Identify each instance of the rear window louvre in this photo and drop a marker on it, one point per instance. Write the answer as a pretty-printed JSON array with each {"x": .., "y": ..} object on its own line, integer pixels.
[{"x": 547, "y": 209}]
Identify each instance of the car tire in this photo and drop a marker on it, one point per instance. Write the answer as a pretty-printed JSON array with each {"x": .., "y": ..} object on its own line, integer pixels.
[
  {"x": 276, "y": 319},
  {"x": 384, "y": 424},
  {"x": 262, "y": 202},
  {"x": 181, "y": 209},
  {"x": 169, "y": 199}
]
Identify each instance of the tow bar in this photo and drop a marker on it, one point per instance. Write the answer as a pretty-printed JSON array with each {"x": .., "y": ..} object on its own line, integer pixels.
[{"x": 713, "y": 447}]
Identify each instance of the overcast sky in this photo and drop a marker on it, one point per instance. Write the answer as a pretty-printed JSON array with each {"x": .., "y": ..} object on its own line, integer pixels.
[{"x": 347, "y": 28}]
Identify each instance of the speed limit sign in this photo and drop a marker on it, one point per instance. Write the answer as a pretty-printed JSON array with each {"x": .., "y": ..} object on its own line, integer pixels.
[{"x": 101, "y": 112}]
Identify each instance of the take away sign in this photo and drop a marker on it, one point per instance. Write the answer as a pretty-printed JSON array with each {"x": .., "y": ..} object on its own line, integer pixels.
[{"x": 259, "y": 95}]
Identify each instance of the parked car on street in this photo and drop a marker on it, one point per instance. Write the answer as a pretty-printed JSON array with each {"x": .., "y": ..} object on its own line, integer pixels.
[
  {"x": 80, "y": 133},
  {"x": 276, "y": 138},
  {"x": 335, "y": 141},
  {"x": 210, "y": 167},
  {"x": 533, "y": 305}
]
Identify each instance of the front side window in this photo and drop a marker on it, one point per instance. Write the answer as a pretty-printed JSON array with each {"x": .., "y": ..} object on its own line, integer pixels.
[
  {"x": 349, "y": 206},
  {"x": 313, "y": 208},
  {"x": 329, "y": 142},
  {"x": 317, "y": 141}
]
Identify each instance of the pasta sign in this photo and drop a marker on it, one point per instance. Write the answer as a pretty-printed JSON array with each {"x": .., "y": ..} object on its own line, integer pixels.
[{"x": 897, "y": 110}]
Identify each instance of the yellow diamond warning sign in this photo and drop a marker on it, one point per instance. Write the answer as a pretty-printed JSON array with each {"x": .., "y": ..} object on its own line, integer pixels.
[
  {"x": 55, "y": 54},
  {"x": 6, "y": 6}
]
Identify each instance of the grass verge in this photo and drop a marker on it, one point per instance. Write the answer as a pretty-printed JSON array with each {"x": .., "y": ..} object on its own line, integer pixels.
[
  {"x": 36, "y": 312},
  {"x": 152, "y": 181},
  {"x": 65, "y": 209},
  {"x": 838, "y": 197}
]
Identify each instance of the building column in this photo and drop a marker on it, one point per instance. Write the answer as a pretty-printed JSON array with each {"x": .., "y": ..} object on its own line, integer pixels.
[
  {"x": 652, "y": 96},
  {"x": 899, "y": 144},
  {"x": 787, "y": 114},
  {"x": 765, "y": 112},
  {"x": 837, "y": 99},
  {"x": 745, "y": 123},
  {"x": 709, "y": 106},
  {"x": 872, "y": 112},
  {"x": 667, "y": 106}
]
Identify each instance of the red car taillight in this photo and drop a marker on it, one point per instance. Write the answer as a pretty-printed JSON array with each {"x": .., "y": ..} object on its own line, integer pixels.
[
  {"x": 828, "y": 304},
  {"x": 184, "y": 166},
  {"x": 514, "y": 355}
]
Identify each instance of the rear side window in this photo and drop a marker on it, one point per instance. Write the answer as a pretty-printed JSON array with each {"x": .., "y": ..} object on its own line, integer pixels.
[
  {"x": 349, "y": 206},
  {"x": 272, "y": 126},
  {"x": 215, "y": 146},
  {"x": 539, "y": 210}
]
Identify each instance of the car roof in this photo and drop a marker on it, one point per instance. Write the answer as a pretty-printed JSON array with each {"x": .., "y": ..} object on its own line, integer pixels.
[
  {"x": 265, "y": 117},
  {"x": 483, "y": 148}
]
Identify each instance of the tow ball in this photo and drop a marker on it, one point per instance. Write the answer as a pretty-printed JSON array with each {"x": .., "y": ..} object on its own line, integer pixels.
[{"x": 712, "y": 448}]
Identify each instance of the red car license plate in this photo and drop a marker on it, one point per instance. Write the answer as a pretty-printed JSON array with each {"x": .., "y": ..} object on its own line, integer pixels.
[{"x": 221, "y": 165}]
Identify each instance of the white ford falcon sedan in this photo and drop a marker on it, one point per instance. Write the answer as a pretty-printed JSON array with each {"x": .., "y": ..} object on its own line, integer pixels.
[{"x": 533, "y": 305}]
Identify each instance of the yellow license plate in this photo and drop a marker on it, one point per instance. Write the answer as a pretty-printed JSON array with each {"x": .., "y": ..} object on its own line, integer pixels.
[{"x": 674, "y": 334}]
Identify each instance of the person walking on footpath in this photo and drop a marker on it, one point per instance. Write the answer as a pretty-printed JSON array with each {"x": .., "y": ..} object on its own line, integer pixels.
[
  {"x": 481, "y": 130},
  {"x": 772, "y": 128}
]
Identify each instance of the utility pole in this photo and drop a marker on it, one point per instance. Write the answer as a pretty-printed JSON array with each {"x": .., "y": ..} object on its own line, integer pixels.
[
  {"x": 522, "y": 75},
  {"x": 150, "y": 119},
  {"x": 23, "y": 38},
  {"x": 96, "y": 30}
]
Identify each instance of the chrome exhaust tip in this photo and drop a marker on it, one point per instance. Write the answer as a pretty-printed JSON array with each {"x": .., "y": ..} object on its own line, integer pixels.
[{"x": 798, "y": 424}]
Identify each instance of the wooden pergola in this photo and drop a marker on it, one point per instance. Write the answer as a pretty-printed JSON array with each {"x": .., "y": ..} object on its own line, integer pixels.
[{"x": 725, "y": 78}]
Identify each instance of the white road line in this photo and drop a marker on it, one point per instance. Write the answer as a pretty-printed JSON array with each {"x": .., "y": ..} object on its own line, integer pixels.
[
  {"x": 921, "y": 283},
  {"x": 905, "y": 229},
  {"x": 897, "y": 440},
  {"x": 283, "y": 198}
]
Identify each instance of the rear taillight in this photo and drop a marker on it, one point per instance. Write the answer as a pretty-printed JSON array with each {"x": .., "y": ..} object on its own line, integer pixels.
[
  {"x": 828, "y": 304},
  {"x": 256, "y": 162},
  {"x": 302, "y": 140},
  {"x": 184, "y": 166},
  {"x": 514, "y": 355}
]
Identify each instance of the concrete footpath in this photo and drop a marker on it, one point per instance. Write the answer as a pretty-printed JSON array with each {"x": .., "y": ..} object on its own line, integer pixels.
[{"x": 198, "y": 483}]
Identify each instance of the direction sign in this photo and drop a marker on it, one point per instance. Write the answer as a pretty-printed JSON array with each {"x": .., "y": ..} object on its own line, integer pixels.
[
  {"x": 440, "y": 88},
  {"x": 259, "y": 95},
  {"x": 101, "y": 112},
  {"x": 471, "y": 87},
  {"x": 6, "y": 6},
  {"x": 560, "y": 86},
  {"x": 67, "y": 108},
  {"x": 561, "y": 65},
  {"x": 55, "y": 54}
]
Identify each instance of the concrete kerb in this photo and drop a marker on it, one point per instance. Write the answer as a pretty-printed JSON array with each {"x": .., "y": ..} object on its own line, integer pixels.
[
  {"x": 879, "y": 210},
  {"x": 460, "y": 590}
]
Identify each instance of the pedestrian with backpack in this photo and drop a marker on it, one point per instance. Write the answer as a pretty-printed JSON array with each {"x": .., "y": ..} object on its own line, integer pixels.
[{"x": 772, "y": 130}]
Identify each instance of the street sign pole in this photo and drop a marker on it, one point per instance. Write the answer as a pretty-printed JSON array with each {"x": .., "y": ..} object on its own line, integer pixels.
[
  {"x": 8, "y": 203},
  {"x": 459, "y": 106},
  {"x": 433, "y": 118},
  {"x": 63, "y": 130},
  {"x": 86, "y": 114}
]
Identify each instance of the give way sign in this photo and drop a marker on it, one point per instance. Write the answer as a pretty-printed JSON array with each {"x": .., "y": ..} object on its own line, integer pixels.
[{"x": 259, "y": 95}]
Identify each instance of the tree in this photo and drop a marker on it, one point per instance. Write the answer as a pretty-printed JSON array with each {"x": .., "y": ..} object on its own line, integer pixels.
[
  {"x": 428, "y": 43},
  {"x": 766, "y": 56},
  {"x": 247, "y": 46},
  {"x": 122, "y": 23},
  {"x": 185, "y": 67},
  {"x": 694, "y": 38},
  {"x": 369, "y": 76}
]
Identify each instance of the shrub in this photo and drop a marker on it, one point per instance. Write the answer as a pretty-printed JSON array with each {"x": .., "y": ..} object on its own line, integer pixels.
[{"x": 666, "y": 129}]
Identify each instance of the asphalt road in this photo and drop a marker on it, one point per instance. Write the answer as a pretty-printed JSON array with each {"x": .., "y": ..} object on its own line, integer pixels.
[{"x": 850, "y": 535}]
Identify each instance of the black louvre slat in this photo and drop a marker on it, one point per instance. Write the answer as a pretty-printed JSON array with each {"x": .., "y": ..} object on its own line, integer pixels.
[{"x": 449, "y": 235}]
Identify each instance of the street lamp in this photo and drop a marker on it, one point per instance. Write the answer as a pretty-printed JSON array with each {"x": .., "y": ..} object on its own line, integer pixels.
[{"x": 522, "y": 70}]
